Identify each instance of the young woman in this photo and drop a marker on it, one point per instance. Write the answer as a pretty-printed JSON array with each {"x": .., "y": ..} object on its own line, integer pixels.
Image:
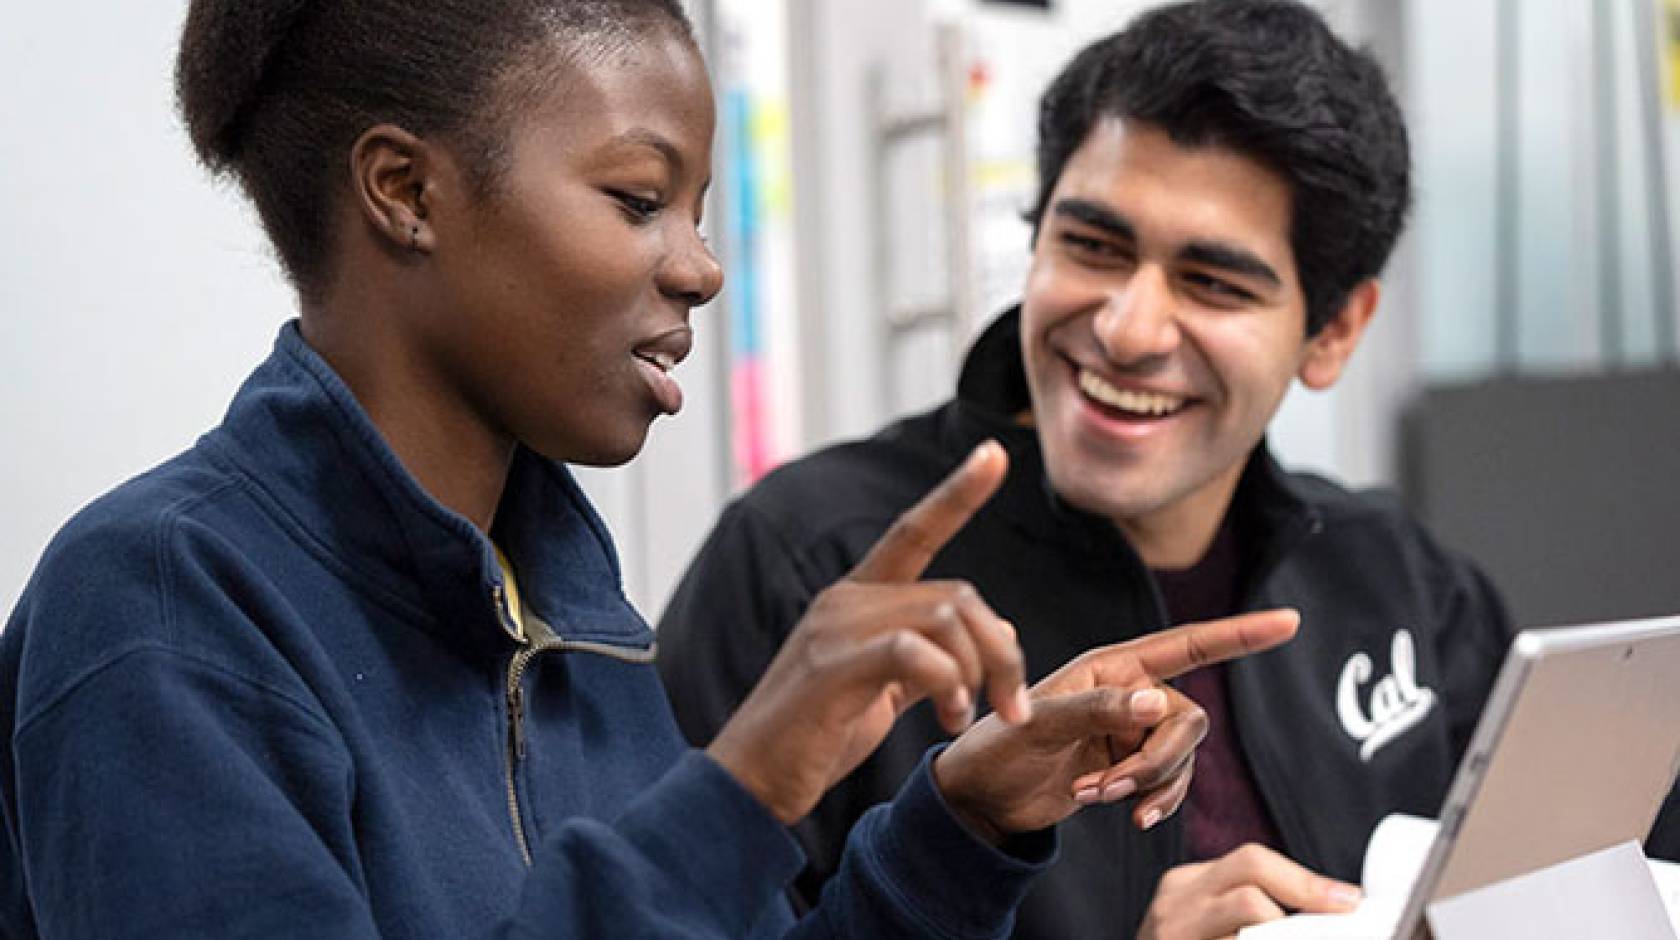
[{"x": 358, "y": 663}]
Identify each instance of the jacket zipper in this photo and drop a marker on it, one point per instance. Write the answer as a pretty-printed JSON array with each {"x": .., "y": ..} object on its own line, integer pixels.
[
  {"x": 545, "y": 641},
  {"x": 1282, "y": 815},
  {"x": 516, "y": 740}
]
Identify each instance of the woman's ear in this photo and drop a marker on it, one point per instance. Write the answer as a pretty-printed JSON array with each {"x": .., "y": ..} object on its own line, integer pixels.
[
  {"x": 1326, "y": 354},
  {"x": 390, "y": 172}
]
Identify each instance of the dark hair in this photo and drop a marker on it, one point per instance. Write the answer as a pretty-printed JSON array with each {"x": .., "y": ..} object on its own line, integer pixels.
[
  {"x": 274, "y": 92},
  {"x": 1267, "y": 79}
]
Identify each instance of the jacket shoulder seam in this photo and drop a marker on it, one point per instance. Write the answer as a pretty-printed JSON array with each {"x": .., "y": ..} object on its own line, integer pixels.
[
  {"x": 130, "y": 651},
  {"x": 163, "y": 536}
]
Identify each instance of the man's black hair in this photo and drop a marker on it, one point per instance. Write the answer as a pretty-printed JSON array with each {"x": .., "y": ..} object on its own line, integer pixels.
[
  {"x": 1266, "y": 79},
  {"x": 274, "y": 92}
]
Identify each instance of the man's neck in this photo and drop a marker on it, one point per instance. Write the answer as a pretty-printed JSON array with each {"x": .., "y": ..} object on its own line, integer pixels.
[{"x": 1176, "y": 536}]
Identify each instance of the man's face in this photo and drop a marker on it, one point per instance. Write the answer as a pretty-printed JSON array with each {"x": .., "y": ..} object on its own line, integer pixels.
[{"x": 1162, "y": 323}]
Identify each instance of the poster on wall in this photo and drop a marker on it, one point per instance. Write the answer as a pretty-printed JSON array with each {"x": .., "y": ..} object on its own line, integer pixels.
[
  {"x": 754, "y": 128},
  {"x": 1670, "y": 10}
]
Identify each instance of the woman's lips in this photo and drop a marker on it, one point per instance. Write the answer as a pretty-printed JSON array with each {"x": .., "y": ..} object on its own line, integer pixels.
[
  {"x": 657, "y": 357},
  {"x": 656, "y": 368}
]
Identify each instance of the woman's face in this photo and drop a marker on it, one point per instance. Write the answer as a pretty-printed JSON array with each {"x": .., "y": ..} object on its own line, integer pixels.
[{"x": 564, "y": 294}]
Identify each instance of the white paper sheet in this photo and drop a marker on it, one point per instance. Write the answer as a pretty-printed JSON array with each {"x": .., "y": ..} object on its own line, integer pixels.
[
  {"x": 1603, "y": 894},
  {"x": 1393, "y": 859}
]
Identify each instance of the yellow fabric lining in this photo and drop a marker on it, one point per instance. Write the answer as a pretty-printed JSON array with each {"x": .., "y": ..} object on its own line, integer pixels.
[{"x": 515, "y": 609}]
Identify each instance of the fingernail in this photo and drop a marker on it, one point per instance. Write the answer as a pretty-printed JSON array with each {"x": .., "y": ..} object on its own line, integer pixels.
[
  {"x": 1119, "y": 790},
  {"x": 1151, "y": 818},
  {"x": 1023, "y": 703},
  {"x": 979, "y": 453},
  {"x": 1343, "y": 895},
  {"x": 1087, "y": 796},
  {"x": 1149, "y": 700},
  {"x": 962, "y": 706}
]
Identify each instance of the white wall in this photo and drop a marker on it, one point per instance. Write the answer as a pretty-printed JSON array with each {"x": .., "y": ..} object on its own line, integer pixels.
[
  {"x": 1560, "y": 248},
  {"x": 134, "y": 295}
]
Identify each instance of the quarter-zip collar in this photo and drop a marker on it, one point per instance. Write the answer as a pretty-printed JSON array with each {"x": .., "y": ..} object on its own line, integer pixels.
[{"x": 300, "y": 439}]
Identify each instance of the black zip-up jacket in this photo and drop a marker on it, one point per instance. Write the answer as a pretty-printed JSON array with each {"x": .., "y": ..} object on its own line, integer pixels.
[{"x": 1365, "y": 713}]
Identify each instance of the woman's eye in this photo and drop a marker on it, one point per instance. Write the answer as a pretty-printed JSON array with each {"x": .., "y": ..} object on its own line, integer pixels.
[{"x": 639, "y": 208}]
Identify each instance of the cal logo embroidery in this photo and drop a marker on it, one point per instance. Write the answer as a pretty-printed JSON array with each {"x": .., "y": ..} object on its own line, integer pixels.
[{"x": 1396, "y": 701}]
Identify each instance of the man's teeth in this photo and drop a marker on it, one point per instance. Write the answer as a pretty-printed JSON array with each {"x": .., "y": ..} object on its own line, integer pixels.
[{"x": 1134, "y": 402}]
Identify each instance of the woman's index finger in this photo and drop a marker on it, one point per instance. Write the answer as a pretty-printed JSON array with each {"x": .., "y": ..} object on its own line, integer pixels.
[{"x": 904, "y": 552}]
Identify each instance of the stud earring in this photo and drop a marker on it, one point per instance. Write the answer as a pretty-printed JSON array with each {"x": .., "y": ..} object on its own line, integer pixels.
[{"x": 414, "y": 238}]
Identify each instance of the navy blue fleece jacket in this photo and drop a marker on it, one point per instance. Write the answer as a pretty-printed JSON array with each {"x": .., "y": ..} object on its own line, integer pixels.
[{"x": 270, "y": 689}]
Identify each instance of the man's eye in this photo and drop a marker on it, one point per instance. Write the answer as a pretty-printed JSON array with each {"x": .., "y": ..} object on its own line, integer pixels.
[
  {"x": 1217, "y": 288},
  {"x": 1085, "y": 244}
]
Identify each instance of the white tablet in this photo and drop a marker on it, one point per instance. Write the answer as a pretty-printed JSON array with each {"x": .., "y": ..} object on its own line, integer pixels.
[{"x": 1575, "y": 751}]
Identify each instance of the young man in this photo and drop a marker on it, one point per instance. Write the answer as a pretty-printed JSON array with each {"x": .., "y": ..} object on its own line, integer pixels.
[{"x": 1220, "y": 186}]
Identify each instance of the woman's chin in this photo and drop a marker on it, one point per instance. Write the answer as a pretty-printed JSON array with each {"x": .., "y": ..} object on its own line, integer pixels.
[{"x": 599, "y": 450}]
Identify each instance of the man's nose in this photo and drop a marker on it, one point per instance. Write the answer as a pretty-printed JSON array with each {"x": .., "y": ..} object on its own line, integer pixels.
[{"x": 1139, "y": 321}]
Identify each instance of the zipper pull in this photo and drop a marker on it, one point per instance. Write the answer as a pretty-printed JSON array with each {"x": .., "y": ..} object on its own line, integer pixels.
[{"x": 516, "y": 720}]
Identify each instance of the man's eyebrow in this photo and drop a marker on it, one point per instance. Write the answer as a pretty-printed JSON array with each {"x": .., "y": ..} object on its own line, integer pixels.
[
  {"x": 1096, "y": 215},
  {"x": 1220, "y": 255},
  {"x": 1231, "y": 258},
  {"x": 643, "y": 137}
]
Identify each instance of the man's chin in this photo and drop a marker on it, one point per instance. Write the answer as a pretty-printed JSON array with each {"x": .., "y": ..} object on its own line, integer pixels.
[{"x": 1116, "y": 497}]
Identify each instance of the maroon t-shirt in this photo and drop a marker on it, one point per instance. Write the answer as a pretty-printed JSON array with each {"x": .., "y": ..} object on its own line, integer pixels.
[{"x": 1223, "y": 810}]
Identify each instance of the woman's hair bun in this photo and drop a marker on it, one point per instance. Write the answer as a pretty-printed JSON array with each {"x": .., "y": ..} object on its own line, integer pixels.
[{"x": 227, "y": 47}]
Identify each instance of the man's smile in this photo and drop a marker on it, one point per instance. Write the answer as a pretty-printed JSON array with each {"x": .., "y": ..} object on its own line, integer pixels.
[{"x": 1132, "y": 403}]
